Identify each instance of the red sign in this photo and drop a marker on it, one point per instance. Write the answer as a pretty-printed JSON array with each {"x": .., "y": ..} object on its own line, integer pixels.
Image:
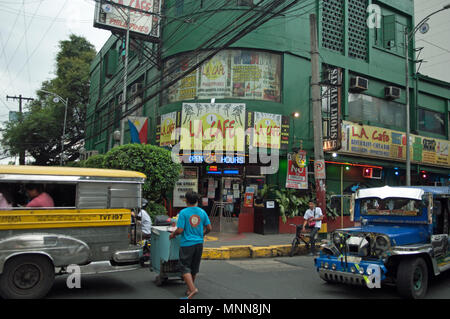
[
  {"x": 248, "y": 201},
  {"x": 297, "y": 176}
]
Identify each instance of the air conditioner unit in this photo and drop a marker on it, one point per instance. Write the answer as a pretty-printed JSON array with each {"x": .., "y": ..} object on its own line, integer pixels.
[
  {"x": 358, "y": 84},
  {"x": 136, "y": 87},
  {"x": 121, "y": 99},
  {"x": 136, "y": 100},
  {"x": 392, "y": 92}
]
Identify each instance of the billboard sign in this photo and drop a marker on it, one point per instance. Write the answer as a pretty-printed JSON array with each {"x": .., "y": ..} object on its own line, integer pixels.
[
  {"x": 333, "y": 107},
  {"x": 377, "y": 142},
  {"x": 213, "y": 126},
  {"x": 144, "y": 17}
]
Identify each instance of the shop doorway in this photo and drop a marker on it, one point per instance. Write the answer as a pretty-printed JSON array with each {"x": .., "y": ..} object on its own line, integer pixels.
[{"x": 221, "y": 199}]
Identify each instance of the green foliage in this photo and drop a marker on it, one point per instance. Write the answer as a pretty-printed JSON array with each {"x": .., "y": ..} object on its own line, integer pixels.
[
  {"x": 40, "y": 132},
  {"x": 291, "y": 203},
  {"x": 155, "y": 162},
  {"x": 95, "y": 161},
  {"x": 154, "y": 209}
]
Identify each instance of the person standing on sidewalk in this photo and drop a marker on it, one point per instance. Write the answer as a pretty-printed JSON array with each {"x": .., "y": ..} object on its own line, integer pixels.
[
  {"x": 193, "y": 224},
  {"x": 313, "y": 220}
]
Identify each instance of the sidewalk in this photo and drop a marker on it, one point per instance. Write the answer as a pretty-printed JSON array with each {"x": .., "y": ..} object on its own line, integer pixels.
[{"x": 248, "y": 245}]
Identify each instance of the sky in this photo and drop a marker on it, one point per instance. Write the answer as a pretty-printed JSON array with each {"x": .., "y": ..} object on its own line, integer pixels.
[
  {"x": 30, "y": 31},
  {"x": 436, "y": 42}
]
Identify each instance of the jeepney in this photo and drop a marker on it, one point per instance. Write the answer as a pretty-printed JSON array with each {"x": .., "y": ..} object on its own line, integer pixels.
[
  {"x": 401, "y": 237},
  {"x": 90, "y": 221}
]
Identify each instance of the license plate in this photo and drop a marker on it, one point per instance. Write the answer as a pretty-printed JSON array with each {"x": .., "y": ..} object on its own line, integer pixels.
[{"x": 353, "y": 259}]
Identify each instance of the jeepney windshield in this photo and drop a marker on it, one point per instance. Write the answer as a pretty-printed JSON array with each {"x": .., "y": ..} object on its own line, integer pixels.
[{"x": 391, "y": 206}]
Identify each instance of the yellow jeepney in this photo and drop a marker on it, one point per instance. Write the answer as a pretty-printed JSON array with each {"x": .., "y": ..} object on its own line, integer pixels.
[{"x": 90, "y": 221}]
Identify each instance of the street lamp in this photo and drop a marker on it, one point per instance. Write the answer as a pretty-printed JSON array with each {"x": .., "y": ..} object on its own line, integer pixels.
[
  {"x": 408, "y": 36},
  {"x": 66, "y": 102}
]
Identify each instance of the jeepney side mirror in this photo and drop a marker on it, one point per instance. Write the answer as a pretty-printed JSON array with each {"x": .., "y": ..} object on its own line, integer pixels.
[
  {"x": 430, "y": 208},
  {"x": 352, "y": 207}
]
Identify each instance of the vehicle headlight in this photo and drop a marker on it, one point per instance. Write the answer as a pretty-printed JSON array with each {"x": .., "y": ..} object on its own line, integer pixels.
[
  {"x": 325, "y": 265},
  {"x": 381, "y": 244},
  {"x": 361, "y": 271},
  {"x": 333, "y": 267},
  {"x": 381, "y": 241},
  {"x": 337, "y": 239}
]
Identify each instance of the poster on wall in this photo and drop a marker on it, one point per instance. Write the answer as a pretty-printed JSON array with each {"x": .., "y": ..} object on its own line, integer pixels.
[
  {"x": 267, "y": 130},
  {"x": 166, "y": 130},
  {"x": 213, "y": 126},
  {"x": 188, "y": 181},
  {"x": 379, "y": 142},
  {"x": 297, "y": 175},
  {"x": 243, "y": 74}
]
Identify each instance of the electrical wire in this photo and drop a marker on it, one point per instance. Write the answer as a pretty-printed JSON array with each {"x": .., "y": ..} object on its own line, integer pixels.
[{"x": 240, "y": 34}]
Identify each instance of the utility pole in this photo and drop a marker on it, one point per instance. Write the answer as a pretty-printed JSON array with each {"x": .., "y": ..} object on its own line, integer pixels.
[
  {"x": 20, "y": 98},
  {"x": 319, "y": 162}
]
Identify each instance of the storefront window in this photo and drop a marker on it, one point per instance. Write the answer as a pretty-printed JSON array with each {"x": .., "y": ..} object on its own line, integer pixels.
[
  {"x": 431, "y": 121},
  {"x": 365, "y": 108},
  {"x": 241, "y": 74}
]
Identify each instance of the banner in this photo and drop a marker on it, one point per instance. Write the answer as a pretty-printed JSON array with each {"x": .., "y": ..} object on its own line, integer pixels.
[
  {"x": 371, "y": 141},
  {"x": 332, "y": 142},
  {"x": 297, "y": 176},
  {"x": 218, "y": 126},
  {"x": 138, "y": 129},
  {"x": 267, "y": 130},
  {"x": 166, "y": 128},
  {"x": 243, "y": 74}
]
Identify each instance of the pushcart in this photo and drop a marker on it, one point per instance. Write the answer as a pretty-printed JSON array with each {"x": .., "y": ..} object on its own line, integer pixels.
[{"x": 164, "y": 254}]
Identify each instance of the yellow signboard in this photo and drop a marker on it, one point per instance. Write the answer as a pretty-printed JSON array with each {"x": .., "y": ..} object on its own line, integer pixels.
[
  {"x": 63, "y": 218},
  {"x": 213, "y": 127},
  {"x": 374, "y": 141}
]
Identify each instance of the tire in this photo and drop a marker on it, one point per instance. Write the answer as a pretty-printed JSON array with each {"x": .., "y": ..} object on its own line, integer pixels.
[
  {"x": 412, "y": 278},
  {"x": 27, "y": 277},
  {"x": 294, "y": 247}
]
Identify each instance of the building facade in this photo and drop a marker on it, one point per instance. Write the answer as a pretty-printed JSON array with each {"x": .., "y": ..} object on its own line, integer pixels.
[{"x": 262, "y": 81}]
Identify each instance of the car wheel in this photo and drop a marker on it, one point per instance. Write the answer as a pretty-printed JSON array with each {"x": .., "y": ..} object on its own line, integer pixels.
[
  {"x": 27, "y": 277},
  {"x": 412, "y": 278}
]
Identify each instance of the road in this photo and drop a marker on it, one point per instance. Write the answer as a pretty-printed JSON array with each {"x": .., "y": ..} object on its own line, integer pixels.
[{"x": 262, "y": 278}]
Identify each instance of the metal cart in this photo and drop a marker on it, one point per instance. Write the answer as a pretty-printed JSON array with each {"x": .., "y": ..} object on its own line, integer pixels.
[{"x": 164, "y": 254}]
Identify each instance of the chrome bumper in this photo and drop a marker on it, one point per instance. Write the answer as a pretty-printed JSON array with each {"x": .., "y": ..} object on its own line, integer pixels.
[
  {"x": 127, "y": 256},
  {"x": 342, "y": 277}
]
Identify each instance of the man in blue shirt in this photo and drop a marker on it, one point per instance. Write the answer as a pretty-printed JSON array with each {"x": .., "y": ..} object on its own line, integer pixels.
[{"x": 193, "y": 224}]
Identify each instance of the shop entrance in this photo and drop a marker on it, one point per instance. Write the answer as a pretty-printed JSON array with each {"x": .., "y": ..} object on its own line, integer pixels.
[{"x": 221, "y": 199}]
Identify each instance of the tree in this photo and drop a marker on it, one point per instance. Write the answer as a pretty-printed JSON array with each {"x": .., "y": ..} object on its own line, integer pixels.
[
  {"x": 155, "y": 162},
  {"x": 39, "y": 133}
]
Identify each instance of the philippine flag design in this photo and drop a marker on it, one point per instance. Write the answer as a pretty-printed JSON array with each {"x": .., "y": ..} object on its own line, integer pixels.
[{"x": 138, "y": 129}]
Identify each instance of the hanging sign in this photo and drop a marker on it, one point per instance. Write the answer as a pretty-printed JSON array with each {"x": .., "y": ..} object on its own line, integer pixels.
[{"x": 297, "y": 176}]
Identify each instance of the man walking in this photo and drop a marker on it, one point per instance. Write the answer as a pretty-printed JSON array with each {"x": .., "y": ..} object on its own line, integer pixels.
[
  {"x": 193, "y": 224},
  {"x": 313, "y": 220}
]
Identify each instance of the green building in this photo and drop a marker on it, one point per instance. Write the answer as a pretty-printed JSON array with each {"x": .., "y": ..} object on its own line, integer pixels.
[{"x": 268, "y": 72}]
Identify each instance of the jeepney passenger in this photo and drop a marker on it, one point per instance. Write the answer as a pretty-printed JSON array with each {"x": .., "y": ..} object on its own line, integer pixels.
[{"x": 39, "y": 198}]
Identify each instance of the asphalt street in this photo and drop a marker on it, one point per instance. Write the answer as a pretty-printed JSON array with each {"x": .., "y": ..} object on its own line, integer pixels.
[{"x": 262, "y": 278}]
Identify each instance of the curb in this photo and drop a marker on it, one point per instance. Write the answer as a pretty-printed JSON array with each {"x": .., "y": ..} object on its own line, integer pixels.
[{"x": 249, "y": 251}]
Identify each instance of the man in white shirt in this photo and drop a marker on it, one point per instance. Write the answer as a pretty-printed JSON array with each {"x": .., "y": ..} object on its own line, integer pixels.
[
  {"x": 145, "y": 221},
  {"x": 313, "y": 220}
]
